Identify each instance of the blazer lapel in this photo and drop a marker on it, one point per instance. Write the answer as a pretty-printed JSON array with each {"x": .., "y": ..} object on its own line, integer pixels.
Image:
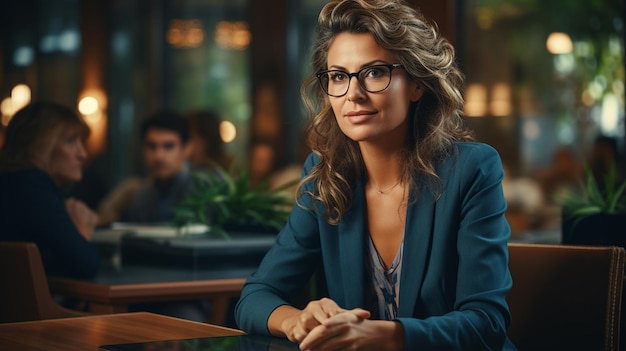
[
  {"x": 351, "y": 246},
  {"x": 417, "y": 241}
]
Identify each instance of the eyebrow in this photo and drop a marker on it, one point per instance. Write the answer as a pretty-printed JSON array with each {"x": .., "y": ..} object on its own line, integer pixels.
[
  {"x": 168, "y": 143},
  {"x": 370, "y": 63}
]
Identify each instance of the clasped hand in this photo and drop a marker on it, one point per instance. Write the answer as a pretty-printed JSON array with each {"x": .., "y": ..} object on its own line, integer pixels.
[
  {"x": 323, "y": 325},
  {"x": 83, "y": 218}
]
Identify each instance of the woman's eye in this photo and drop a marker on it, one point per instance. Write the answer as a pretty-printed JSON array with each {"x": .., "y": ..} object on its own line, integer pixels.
[
  {"x": 374, "y": 72},
  {"x": 337, "y": 76}
]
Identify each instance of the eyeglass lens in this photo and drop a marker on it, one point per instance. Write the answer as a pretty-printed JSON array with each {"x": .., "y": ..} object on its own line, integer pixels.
[{"x": 373, "y": 79}]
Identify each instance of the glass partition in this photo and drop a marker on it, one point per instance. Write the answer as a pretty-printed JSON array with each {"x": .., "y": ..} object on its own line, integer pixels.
[
  {"x": 40, "y": 43},
  {"x": 181, "y": 55}
]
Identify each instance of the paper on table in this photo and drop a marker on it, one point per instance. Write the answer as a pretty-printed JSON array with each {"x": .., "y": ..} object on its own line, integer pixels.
[
  {"x": 160, "y": 230},
  {"x": 108, "y": 236}
]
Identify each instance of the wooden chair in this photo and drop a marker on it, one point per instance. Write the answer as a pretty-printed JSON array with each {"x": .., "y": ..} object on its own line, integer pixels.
[
  {"x": 565, "y": 297},
  {"x": 24, "y": 292}
]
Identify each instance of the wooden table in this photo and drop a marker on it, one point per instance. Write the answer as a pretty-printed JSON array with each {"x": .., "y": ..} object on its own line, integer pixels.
[
  {"x": 116, "y": 298},
  {"x": 88, "y": 333}
]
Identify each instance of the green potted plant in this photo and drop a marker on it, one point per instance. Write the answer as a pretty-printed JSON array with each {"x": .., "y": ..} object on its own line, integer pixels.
[
  {"x": 597, "y": 214},
  {"x": 226, "y": 202}
]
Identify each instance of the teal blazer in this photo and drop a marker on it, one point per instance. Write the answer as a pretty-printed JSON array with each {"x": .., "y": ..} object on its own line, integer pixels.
[{"x": 454, "y": 275}]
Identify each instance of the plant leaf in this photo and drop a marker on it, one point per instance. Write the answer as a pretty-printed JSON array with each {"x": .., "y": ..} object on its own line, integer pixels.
[{"x": 229, "y": 199}]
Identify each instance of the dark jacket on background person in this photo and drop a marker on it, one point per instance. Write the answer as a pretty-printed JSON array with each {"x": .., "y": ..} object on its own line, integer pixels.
[
  {"x": 32, "y": 209},
  {"x": 155, "y": 204}
]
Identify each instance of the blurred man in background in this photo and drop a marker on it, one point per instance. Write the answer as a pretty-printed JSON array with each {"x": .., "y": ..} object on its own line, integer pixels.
[{"x": 165, "y": 147}]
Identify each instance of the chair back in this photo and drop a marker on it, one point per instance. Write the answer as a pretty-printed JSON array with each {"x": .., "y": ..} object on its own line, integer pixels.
[
  {"x": 565, "y": 297},
  {"x": 24, "y": 291}
]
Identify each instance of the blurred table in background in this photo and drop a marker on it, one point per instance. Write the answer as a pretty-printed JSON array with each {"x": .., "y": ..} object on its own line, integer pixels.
[
  {"x": 539, "y": 236},
  {"x": 145, "y": 267},
  {"x": 163, "y": 246}
]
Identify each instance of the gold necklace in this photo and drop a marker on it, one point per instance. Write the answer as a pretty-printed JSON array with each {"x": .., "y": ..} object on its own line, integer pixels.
[{"x": 381, "y": 191}]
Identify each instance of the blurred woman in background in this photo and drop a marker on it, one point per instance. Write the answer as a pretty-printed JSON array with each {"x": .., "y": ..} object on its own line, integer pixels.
[
  {"x": 44, "y": 151},
  {"x": 207, "y": 146}
]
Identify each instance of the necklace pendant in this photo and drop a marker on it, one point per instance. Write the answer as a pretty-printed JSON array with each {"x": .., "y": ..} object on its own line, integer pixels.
[{"x": 384, "y": 191}]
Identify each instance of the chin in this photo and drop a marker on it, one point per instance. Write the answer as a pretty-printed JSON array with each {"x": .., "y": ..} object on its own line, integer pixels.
[
  {"x": 161, "y": 175},
  {"x": 77, "y": 177},
  {"x": 73, "y": 180},
  {"x": 64, "y": 180}
]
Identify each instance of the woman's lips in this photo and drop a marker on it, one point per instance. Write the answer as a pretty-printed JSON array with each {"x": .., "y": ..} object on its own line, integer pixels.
[{"x": 359, "y": 116}]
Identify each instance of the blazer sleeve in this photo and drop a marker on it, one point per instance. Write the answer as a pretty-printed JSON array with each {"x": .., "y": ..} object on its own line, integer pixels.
[{"x": 284, "y": 270}]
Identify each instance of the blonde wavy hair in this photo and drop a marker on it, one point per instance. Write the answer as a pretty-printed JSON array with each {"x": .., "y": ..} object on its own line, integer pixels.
[
  {"x": 33, "y": 133},
  {"x": 435, "y": 121}
]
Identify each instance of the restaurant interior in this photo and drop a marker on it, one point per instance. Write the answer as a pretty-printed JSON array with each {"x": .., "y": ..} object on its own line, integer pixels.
[
  {"x": 544, "y": 82},
  {"x": 542, "y": 79}
]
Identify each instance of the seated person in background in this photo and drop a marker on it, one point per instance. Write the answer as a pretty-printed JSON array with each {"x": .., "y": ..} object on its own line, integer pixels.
[
  {"x": 206, "y": 144},
  {"x": 150, "y": 200},
  {"x": 525, "y": 202},
  {"x": 165, "y": 136},
  {"x": 604, "y": 155},
  {"x": 562, "y": 176},
  {"x": 265, "y": 169},
  {"x": 262, "y": 162},
  {"x": 42, "y": 152}
]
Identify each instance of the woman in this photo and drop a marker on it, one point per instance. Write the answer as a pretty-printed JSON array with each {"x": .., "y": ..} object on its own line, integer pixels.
[
  {"x": 404, "y": 212},
  {"x": 207, "y": 151},
  {"x": 43, "y": 151}
]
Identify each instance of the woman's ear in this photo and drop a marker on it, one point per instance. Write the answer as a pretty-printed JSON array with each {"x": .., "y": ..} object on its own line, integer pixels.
[
  {"x": 188, "y": 149},
  {"x": 417, "y": 93}
]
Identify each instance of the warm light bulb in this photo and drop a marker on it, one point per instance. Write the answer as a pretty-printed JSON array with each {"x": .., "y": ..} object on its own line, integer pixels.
[
  {"x": 228, "y": 131},
  {"x": 88, "y": 105},
  {"x": 559, "y": 43},
  {"x": 500, "y": 104},
  {"x": 20, "y": 96},
  {"x": 476, "y": 100},
  {"x": 6, "y": 108}
]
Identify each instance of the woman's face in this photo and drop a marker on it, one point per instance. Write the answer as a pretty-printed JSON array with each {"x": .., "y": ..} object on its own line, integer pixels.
[
  {"x": 361, "y": 115},
  {"x": 67, "y": 158}
]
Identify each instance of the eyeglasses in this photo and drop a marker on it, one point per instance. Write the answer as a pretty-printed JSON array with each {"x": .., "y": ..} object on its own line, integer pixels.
[{"x": 373, "y": 79}]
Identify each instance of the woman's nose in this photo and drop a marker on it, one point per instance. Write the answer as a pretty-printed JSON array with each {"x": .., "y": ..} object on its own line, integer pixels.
[
  {"x": 82, "y": 151},
  {"x": 355, "y": 90}
]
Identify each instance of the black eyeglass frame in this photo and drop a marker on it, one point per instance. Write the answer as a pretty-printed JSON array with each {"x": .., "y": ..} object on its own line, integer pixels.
[{"x": 356, "y": 74}]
